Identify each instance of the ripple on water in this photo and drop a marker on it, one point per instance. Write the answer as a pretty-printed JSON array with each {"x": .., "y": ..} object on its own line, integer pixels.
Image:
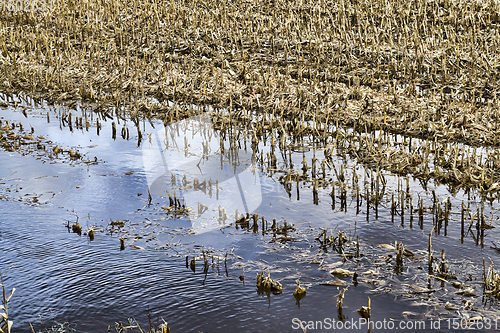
[{"x": 94, "y": 284}]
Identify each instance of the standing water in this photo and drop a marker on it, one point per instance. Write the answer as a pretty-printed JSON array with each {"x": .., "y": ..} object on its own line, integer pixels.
[{"x": 106, "y": 219}]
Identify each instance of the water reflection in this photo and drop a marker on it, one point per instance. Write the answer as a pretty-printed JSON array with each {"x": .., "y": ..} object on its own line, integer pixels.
[{"x": 191, "y": 164}]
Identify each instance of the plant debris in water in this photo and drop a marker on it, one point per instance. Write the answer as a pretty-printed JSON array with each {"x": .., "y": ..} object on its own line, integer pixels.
[
  {"x": 388, "y": 88},
  {"x": 267, "y": 285},
  {"x": 15, "y": 138}
]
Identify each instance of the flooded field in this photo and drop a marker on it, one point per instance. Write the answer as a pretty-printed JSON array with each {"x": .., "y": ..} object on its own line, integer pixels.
[
  {"x": 98, "y": 233},
  {"x": 250, "y": 165}
]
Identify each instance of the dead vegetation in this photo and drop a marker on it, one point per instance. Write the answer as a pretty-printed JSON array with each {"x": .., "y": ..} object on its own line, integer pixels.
[
  {"x": 15, "y": 138},
  {"x": 5, "y": 322},
  {"x": 422, "y": 68},
  {"x": 410, "y": 87}
]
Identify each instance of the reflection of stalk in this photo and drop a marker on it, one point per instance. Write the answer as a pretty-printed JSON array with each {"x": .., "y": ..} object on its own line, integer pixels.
[
  {"x": 462, "y": 231},
  {"x": 192, "y": 264},
  {"x": 443, "y": 268},
  {"x": 225, "y": 264},
  {"x": 399, "y": 258},
  {"x": 429, "y": 249},
  {"x": 113, "y": 126}
]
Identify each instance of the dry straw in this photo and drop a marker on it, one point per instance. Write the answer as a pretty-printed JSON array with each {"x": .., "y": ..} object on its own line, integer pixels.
[
  {"x": 422, "y": 69},
  {"x": 427, "y": 68}
]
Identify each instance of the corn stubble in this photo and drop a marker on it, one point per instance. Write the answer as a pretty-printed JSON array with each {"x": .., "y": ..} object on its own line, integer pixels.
[
  {"x": 426, "y": 71},
  {"x": 5, "y": 322},
  {"x": 423, "y": 69}
]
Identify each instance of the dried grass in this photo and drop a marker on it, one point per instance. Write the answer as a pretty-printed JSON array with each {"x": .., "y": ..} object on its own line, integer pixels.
[{"x": 425, "y": 68}]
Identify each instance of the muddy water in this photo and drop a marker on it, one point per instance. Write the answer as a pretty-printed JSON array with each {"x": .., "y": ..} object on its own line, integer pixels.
[{"x": 62, "y": 276}]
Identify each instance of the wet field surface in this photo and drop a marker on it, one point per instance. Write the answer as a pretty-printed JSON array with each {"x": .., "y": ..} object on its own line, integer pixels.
[{"x": 151, "y": 214}]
